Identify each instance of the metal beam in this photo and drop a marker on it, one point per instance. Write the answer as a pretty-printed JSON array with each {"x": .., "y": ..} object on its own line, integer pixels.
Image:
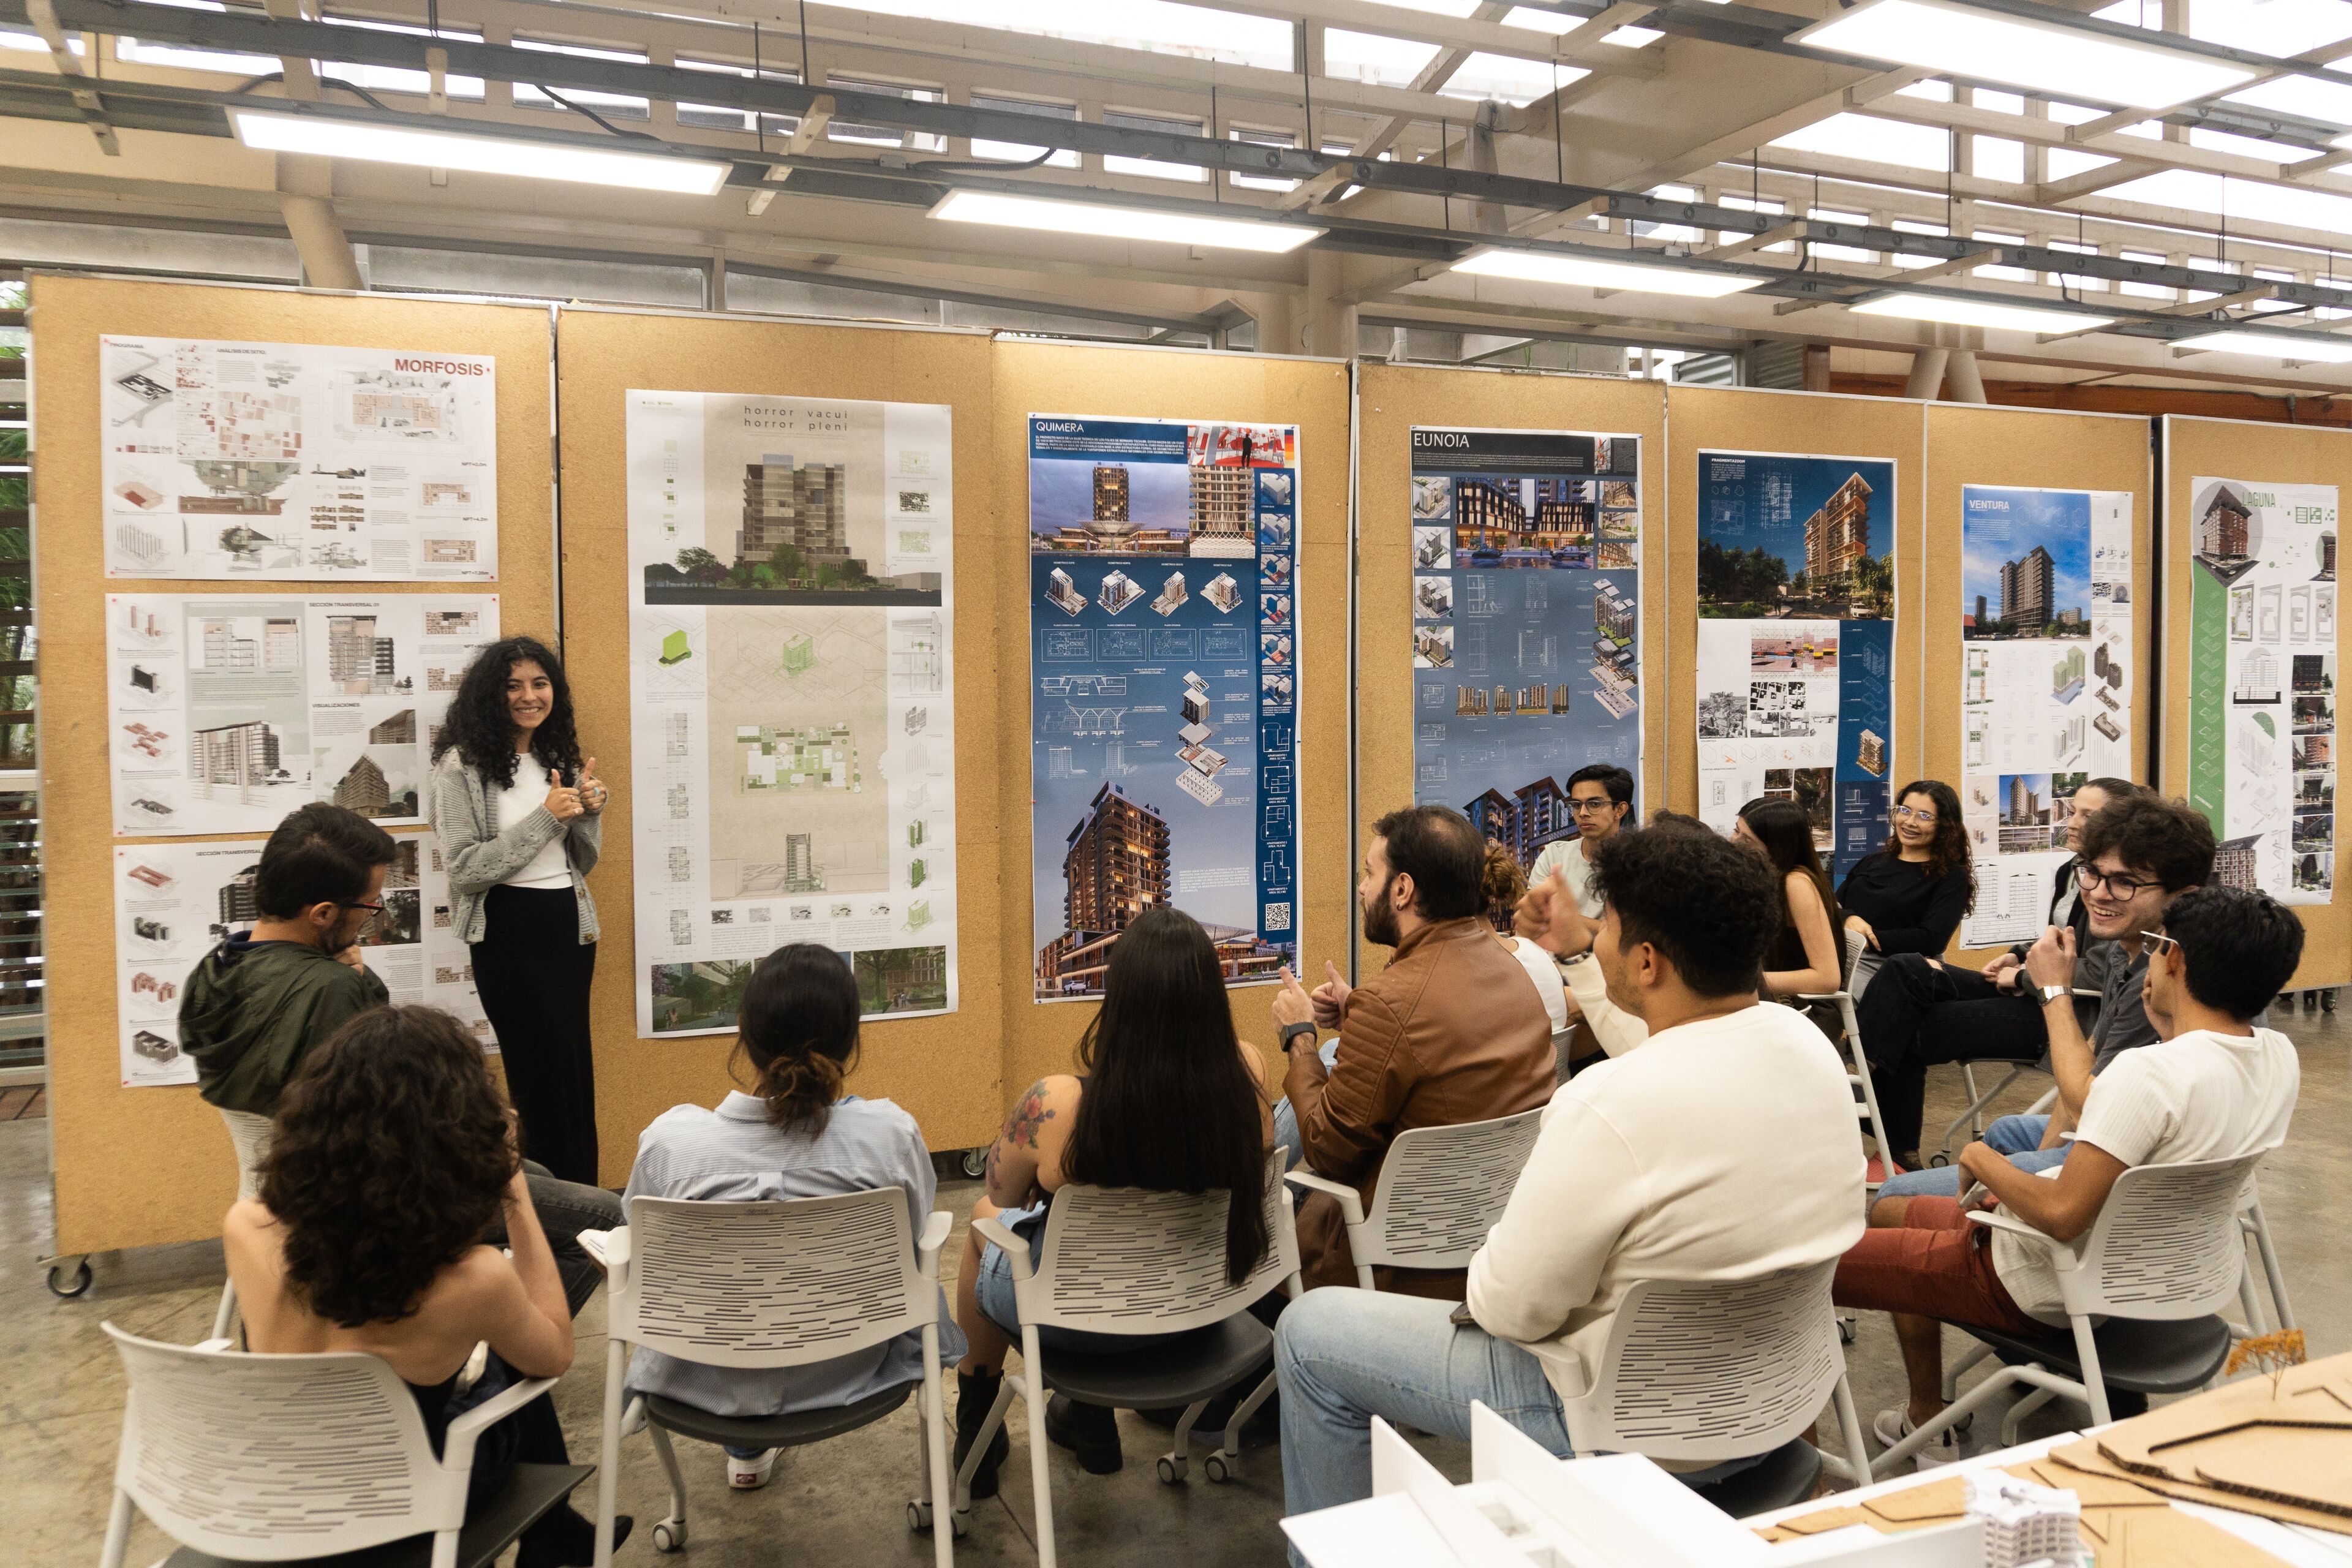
[{"x": 43, "y": 15}]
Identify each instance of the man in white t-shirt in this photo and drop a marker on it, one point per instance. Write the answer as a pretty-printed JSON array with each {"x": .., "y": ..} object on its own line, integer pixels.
[
  {"x": 1725, "y": 1148},
  {"x": 2213, "y": 1087},
  {"x": 1600, "y": 801}
]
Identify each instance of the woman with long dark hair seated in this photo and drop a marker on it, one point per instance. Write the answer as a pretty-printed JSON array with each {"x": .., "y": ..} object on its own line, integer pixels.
[
  {"x": 1908, "y": 894},
  {"x": 1806, "y": 957},
  {"x": 520, "y": 817},
  {"x": 1168, "y": 1099},
  {"x": 795, "y": 1135},
  {"x": 393, "y": 1158}
]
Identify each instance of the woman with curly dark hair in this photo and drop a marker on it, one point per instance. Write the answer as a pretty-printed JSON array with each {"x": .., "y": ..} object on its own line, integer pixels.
[
  {"x": 1909, "y": 895},
  {"x": 520, "y": 817},
  {"x": 392, "y": 1159}
]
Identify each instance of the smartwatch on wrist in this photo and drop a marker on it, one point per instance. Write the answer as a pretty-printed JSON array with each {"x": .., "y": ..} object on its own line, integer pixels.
[
  {"x": 1292, "y": 1031},
  {"x": 2049, "y": 993}
]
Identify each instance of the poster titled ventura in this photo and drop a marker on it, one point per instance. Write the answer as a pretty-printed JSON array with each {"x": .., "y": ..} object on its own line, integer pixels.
[
  {"x": 297, "y": 460},
  {"x": 1163, "y": 684},
  {"x": 2262, "y": 682},
  {"x": 791, "y": 620},
  {"x": 1796, "y": 601},
  {"x": 2046, "y": 685},
  {"x": 1526, "y": 553}
]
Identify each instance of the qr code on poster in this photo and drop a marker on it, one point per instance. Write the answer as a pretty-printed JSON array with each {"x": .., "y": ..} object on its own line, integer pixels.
[{"x": 1277, "y": 916}]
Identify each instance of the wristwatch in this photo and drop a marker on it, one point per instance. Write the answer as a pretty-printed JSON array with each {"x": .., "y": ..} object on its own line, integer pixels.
[
  {"x": 2049, "y": 993},
  {"x": 1292, "y": 1031}
]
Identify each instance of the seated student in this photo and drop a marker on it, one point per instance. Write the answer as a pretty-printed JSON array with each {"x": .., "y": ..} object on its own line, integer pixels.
[
  {"x": 1724, "y": 1148},
  {"x": 1601, "y": 799},
  {"x": 261, "y": 1001},
  {"x": 2215, "y": 1087},
  {"x": 1614, "y": 1029},
  {"x": 1920, "y": 1011},
  {"x": 1168, "y": 1099},
  {"x": 1449, "y": 1032},
  {"x": 2135, "y": 856},
  {"x": 1909, "y": 895},
  {"x": 1505, "y": 886},
  {"x": 394, "y": 1157},
  {"x": 796, "y": 1135},
  {"x": 1805, "y": 957}
]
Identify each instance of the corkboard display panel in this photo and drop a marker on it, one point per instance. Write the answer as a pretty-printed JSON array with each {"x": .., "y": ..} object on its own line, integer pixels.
[
  {"x": 2024, "y": 449},
  {"x": 1176, "y": 384},
  {"x": 2233, "y": 449},
  {"x": 139, "y": 1166},
  {"x": 1391, "y": 400},
  {"x": 1710, "y": 419},
  {"x": 944, "y": 1070}
]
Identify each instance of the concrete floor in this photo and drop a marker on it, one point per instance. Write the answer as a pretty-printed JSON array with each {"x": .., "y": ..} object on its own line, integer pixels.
[{"x": 844, "y": 1502}]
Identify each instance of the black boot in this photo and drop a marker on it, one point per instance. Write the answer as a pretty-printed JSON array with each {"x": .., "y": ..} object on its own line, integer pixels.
[
  {"x": 1090, "y": 1431},
  {"x": 975, "y": 1395}
]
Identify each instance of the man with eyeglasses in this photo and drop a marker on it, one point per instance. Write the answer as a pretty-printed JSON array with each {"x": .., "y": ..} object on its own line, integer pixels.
[{"x": 1599, "y": 798}]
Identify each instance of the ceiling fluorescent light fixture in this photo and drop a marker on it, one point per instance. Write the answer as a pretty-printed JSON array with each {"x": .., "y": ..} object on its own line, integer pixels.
[
  {"x": 1593, "y": 272},
  {"x": 1104, "y": 220},
  {"x": 2046, "y": 57},
  {"x": 2272, "y": 346},
  {"x": 375, "y": 142},
  {"x": 1980, "y": 314}
]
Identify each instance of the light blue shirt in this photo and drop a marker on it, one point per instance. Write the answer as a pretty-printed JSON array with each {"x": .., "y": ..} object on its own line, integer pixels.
[{"x": 734, "y": 1153}]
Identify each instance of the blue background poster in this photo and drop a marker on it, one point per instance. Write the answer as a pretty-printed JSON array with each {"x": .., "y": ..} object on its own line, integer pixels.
[
  {"x": 1526, "y": 663},
  {"x": 1796, "y": 601},
  {"x": 1163, "y": 665}
]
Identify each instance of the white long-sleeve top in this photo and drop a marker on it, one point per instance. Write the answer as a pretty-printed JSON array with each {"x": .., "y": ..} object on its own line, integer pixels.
[
  {"x": 1723, "y": 1149},
  {"x": 1617, "y": 1030}
]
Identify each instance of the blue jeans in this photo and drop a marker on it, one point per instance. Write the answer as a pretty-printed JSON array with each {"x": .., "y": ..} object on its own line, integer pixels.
[
  {"x": 992, "y": 1288},
  {"x": 2019, "y": 1137},
  {"x": 1286, "y": 1119}
]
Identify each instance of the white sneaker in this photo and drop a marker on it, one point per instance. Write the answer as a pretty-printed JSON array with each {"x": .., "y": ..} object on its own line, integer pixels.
[
  {"x": 1891, "y": 1426},
  {"x": 749, "y": 1475}
]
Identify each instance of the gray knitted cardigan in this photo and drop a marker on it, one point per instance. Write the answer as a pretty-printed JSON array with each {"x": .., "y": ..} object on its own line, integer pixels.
[{"x": 478, "y": 856}]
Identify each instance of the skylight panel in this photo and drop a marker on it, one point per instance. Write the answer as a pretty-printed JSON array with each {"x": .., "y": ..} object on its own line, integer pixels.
[
  {"x": 1878, "y": 141},
  {"x": 2305, "y": 95},
  {"x": 1507, "y": 78},
  {"x": 1373, "y": 58},
  {"x": 1158, "y": 26},
  {"x": 2243, "y": 199}
]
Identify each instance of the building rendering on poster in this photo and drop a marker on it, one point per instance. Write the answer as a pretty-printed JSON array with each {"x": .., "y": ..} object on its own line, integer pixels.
[
  {"x": 284, "y": 461},
  {"x": 1163, "y": 683},
  {"x": 2262, "y": 682},
  {"x": 2046, "y": 685},
  {"x": 1526, "y": 553},
  {"x": 174, "y": 902},
  {"x": 1796, "y": 603},
  {"x": 224, "y": 713},
  {"x": 791, "y": 619}
]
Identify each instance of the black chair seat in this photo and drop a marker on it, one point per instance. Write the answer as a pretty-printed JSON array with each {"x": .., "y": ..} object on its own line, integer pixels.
[
  {"x": 1786, "y": 1475},
  {"x": 1205, "y": 1363},
  {"x": 776, "y": 1431},
  {"x": 2135, "y": 1355},
  {"x": 532, "y": 1490}
]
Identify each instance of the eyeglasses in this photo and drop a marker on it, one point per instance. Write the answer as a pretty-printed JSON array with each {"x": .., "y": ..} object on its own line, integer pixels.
[
  {"x": 372, "y": 909},
  {"x": 1913, "y": 814},
  {"x": 2163, "y": 943},
  {"x": 1591, "y": 807},
  {"x": 2087, "y": 876}
]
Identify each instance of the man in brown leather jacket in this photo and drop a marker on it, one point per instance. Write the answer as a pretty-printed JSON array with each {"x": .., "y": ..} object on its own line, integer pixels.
[{"x": 1451, "y": 1031}]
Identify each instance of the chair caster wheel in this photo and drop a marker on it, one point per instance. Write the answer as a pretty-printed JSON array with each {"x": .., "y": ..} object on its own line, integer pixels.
[
  {"x": 919, "y": 1517},
  {"x": 669, "y": 1537},
  {"x": 69, "y": 1286},
  {"x": 975, "y": 1162},
  {"x": 959, "y": 1525},
  {"x": 1171, "y": 1470},
  {"x": 1845, "y": 1331},
  {"x": 1217, "y": 1470},
  {"x": 1938, "y": 1161}
]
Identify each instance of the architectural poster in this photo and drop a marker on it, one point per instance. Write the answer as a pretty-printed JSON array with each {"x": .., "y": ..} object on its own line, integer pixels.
[
  {"x": 2262, "y": 682},
  {"x": 791, "y": 622},
  {"x": 2046, "y": 685},
  {"x": 1796, "y": 603},
  {"x": 285, "y": 461},
  {"x": 1163, "y": 662},
  {"x": 174, "y": 902},
  {"x": 1526, "y": 553},
  {"x": 225, "y": 713}
]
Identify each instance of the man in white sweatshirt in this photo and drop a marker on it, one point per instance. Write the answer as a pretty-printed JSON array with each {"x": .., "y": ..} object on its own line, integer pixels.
[
  {"x": 1724, "y": 1148},
  {"x": 2213, "y": 1087}
]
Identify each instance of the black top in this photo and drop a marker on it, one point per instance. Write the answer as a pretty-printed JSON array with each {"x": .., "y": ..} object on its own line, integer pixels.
[{"x": 1910, "y": 911}]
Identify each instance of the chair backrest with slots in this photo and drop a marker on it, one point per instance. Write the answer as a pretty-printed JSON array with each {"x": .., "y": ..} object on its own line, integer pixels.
[
  {"x": 1856, "y": 944},
  {"x": 269, "y": 1458},
  {"x": 2167, "y": 1244},
  {"x": 1441, "y": 1189},
  {"x": 771, "y": 1283},
  {"x": 250, "y": 1135},
  {"x": 1126, "y": 1260},
  {"x": 1713, "y": 1370}
]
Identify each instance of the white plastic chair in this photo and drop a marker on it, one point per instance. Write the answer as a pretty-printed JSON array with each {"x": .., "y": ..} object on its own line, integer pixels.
[
  {"x": 249, "y": 1135},
  {"x": 2164, "y": 1257},
  {"x": 1706, "y": 1370},
  {"x": 1122, "y": 1260},
  {"x": 1856, "y": 944},
  {"x": 2257, "y": 1229},
  {"x": 268, "y": 1458},
  {"x": 1440, "y": 1190},
  {"x": 771, "y": 1283}
]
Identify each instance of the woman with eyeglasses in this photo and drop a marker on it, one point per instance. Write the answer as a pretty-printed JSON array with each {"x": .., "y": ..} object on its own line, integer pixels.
[
  {"x": 1909, "y": 894},
  {"x": 520, "y": 817}
]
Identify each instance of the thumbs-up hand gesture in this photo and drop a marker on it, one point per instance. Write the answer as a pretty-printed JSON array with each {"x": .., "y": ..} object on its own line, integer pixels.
[
  {"x": 563, "y": 802},
  {"x": 1291, "y": 1005},
  {"x": 591, "y": 789},
  {"x": 1331, "y": 998}
]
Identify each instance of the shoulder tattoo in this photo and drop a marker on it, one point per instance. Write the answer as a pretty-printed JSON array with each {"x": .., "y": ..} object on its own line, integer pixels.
[{"x": 1027, "y": 1117}]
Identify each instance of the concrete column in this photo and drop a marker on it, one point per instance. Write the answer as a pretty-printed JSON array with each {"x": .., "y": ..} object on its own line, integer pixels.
[
  {"x": 1279, "y": 330},
  {"x": 1926, "y": 372},
  {"x": 306, "y": 201},
  {"x": 1330, "y": 319},
  {"x": 1816, "y": 367},
  {"x": 1963, "y": 378}
]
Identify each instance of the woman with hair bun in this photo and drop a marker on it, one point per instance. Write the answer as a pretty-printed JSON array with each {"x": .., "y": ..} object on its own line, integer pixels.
[{"x": 793, "y": 1135}]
